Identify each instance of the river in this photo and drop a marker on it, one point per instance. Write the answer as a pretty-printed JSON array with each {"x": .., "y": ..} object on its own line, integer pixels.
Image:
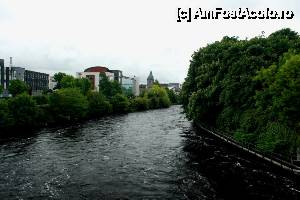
[{"x": 155, "y": 154}]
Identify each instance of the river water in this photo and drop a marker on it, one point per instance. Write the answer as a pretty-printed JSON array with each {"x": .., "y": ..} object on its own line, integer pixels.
[{"x": 155, "y": 154}]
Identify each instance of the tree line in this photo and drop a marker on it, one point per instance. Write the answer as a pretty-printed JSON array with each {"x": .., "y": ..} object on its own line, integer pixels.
[
  {"x": 73, "y": 100},
  {"x": 250, "y": 89}
]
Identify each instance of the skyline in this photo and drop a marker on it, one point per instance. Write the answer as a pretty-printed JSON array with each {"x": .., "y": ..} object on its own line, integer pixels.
[{"x": 133, "y": 36}]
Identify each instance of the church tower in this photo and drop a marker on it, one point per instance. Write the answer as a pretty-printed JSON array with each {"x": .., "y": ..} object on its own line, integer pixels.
[{"x": 150, "y": 80}]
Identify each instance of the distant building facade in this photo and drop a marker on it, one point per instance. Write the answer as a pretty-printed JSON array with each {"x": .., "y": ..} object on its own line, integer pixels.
[
  {"x": 118, "y": 74},
  {"x": 150, "y": 80},
  {"x": 93, "y": 74},
  {"x": 52, "y": 83},
  {"x": 143, "y": 88},
  {"x": 37, "y": 81},
  {"x": 176, "y": 87},
  {"x": 131, "y": 84}
]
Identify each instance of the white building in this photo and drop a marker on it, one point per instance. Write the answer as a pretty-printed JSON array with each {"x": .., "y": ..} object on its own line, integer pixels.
[{"x": 93, "y": 74}]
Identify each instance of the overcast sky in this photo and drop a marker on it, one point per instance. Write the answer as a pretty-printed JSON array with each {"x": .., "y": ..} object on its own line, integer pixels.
[{"x": 134, "y": 36}]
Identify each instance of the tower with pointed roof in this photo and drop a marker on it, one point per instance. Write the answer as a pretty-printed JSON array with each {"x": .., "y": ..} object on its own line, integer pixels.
[{"x": 150, "y": 80}]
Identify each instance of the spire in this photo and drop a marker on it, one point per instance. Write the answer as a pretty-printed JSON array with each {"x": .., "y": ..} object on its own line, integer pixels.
[{"x": 150, "y": 77}]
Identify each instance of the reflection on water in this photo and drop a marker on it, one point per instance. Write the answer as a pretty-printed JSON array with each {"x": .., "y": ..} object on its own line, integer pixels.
[{"x": 146, "y": 155}]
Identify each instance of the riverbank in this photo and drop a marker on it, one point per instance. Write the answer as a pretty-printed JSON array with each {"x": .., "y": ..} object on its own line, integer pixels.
[
  {"x": 249, "y": 89},
  {"x": 246, "y": 150},
  {"x": 76, "y": 103}
]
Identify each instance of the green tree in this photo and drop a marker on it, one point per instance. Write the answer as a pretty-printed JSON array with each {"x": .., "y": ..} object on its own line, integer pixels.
[
  {"x": 6, "y": 120},
  {"x": 120, "y": 103},
  {"x": 98, "y": 105},
  {"x": 83, "y": 84},
  {"x": 67, "y": 81},
  {"x": 139, "y": 104},
  {"x": 17, "y": 87},
  {"x": 172, "y": 96},
  {"x": 23, "y": 109},
  {"x": 242, "y": 85},
  {"x": 68, "y": 104},
  {"x": 109, "y": 88},
  {"x": 58, "y": 78},
  {"x": 158, "y": 97},
  {"x": 41, "y": 99}
]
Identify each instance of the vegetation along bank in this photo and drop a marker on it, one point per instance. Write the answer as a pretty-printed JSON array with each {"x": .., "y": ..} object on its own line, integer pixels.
[{"x": 250, "y": 89}]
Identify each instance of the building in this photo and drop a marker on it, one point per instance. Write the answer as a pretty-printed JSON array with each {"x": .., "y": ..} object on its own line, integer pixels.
[
  {"x": 52, "y": 83},
  {"x": 2, "y": 72},
  {"x": 131, "y": 85},
  {"x": 176, "y": 87},
  {"x": 93, "y": 74},
  {"x": 142, "y": 88},
  {"x": 117, "y": 75},
  {"x": 37, "y": 81},
  {"x": 150, "y": 80}
]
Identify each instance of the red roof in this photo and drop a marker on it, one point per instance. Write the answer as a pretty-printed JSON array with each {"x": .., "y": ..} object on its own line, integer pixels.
[{"x": 96, "y": 69}]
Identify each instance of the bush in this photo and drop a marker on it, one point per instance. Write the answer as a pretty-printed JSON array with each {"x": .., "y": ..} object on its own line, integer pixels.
[
  {"x": 17, "y": 87},
  {"x": 172, "y": 96},
  {"x": 41, "y": 99},
  {"x": 277, "y": 138},
  {"x": 23, "y": 109},
  {"x": 158, "y": 97},
  {"x": 120, "y": 103},
  {"x": 98, "y": 105},
  {"x": 139, "y": 104},
  {"x": 68, "y": 104},
  {"x": 6, "y": 119}
]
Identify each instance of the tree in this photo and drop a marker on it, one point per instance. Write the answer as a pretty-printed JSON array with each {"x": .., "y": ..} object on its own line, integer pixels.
[
  {"x": 98, "y": 105},
  {"x": 158, "y": 97},
  {"x": 172, "y": 96},
  {"x": 241, "y": 86},
  {"x": 6, "y": 120},
  {"x": 83, "y": 84},
  {"x": 139, "y": 104},
  {"x": 109, "y": 88},
  {"x": 120, "y": 103},
  {"x": 68, "y": 104},
  {"x": 23, "y": 109},
  {"x": 67, "y": 81},
  {"x": 58, "y": 77},
  {"x": 17, "y": 87}
]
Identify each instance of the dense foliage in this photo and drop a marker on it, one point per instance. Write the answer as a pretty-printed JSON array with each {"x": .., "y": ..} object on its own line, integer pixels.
[
  {"x": 73, "y": 100},
  {"x": 68, "y": 104},
  {"x": 17, "y": 87},
  {"x": 249, "y": 88}
]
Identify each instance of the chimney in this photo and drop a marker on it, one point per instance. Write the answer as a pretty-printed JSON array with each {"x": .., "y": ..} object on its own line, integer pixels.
[
  {"x": 2, "y": 72},
  {"x": 10, "y": 61}
]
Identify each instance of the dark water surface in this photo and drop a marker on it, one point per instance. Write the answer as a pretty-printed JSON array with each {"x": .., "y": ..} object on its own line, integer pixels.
[{"x": 146, "y": 155}]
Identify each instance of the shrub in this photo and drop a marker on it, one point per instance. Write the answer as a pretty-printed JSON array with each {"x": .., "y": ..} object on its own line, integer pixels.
[
  {"x": 98, "y": 105},
  {"x": 41, "y": 99},
  {"x": 68, "y": 104},
  {"x": 120, "y": 103},
  {"x": 6, "y": 119},
  {"x": 17, "y": 87},
  {"x": 277, "y": 138},
  {"x": 139, "y": 103},
  {"x": 23, "y": 109}
]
